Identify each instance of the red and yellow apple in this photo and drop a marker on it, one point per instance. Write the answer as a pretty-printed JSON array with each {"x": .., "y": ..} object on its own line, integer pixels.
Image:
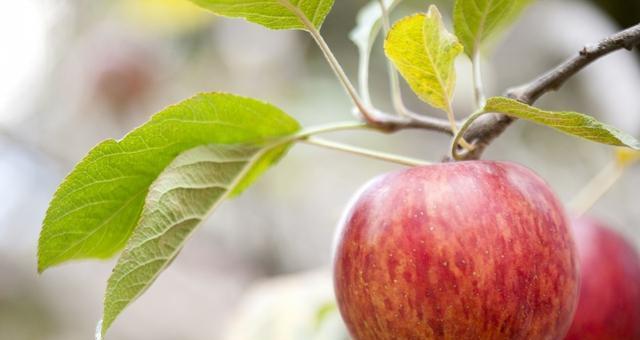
[
  {"x": 465, "y": 250},
  {"x": 609, "y": 302}
]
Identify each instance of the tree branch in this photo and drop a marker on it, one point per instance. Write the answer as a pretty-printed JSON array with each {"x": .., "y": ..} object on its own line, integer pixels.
[{"x": 488, "y": 127}]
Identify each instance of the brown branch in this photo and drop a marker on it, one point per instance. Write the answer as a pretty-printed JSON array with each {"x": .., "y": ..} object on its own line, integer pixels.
[
  {"x": 392, "y": 123},
  {"x": 488, "y": 127}
]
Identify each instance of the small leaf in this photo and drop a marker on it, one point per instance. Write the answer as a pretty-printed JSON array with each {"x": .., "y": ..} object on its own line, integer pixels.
[
  {"x": 424, "y": 52},
  {"x": 476, "y": 20},
  {"x": 97, "y": 206},
  {"x": 195, "y": 183},
  {"x": 572, "y": 123},
  {"x": 274, "y": 14}
]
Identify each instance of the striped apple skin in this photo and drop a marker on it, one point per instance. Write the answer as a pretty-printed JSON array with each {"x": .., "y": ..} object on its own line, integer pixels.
[
  {"x": 465, "y": 250},
  {"x": 609, "y": 302}
]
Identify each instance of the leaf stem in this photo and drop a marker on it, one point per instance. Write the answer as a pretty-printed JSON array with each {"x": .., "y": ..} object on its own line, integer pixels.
[
  {"x": 332, "y": 61},
  {"x": 363, "y": 79},
  {"x": 307, "y": 136},
  {"x": 337, "y": 69},
  {"x": 478, "y": 87},
  {"x": 332, "y": 127},
  {"x": 452, "y": 119},
  {"x": 394, "y": 80},
  {"x": 597, "y": 187},
  {"x": 365, "y": 152}
]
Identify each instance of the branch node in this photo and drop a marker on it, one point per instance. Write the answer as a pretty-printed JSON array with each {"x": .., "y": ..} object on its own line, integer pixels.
[{"x": 584, "y": 51}]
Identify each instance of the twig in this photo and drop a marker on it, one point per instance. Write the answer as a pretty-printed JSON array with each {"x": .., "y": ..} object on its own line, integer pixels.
[
  {"x": 488, "y": 127},
  {"x": 375, "y": 118}
]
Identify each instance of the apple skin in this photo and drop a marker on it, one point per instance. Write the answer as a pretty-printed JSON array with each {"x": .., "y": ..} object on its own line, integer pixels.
[
  {"x": 609, "y": 301},
  {"x": 465, "y": 250}
]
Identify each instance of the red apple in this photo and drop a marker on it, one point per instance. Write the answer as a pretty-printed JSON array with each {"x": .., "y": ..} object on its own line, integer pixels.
[
  {"x": 466, "y": 250},
  {"x": 609, "y": 302}
]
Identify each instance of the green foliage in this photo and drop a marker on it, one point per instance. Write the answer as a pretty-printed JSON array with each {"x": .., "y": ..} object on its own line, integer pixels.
[
  {"x": 95, "y": 209},
  {"x": 191, "y": 186},
  {"x": 476, "y": 20},
  {"x": 572, "y": 123},
  {"x": 424, "y": 52},
  {"x": 274, "y": 14},
  {"x": 149, "y": 191}
]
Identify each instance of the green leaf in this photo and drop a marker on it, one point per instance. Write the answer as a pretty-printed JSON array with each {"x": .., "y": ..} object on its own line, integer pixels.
[
  {"x": 424, "y": 52},
  {"x": 270, "y": 157},
  {"x": 187, "y": 190},
  {"x": 572, "y": 123},
  {"x": 518, "y": 7},
  {"x": 274, "y": 14},
  {"x": 368, "y": 25},
  {"x": 476, "y": 20},
  {"x": 97, "y": 206}
]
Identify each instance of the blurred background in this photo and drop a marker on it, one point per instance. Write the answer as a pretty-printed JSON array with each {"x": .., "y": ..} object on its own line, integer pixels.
[{"x": 75, "y": 72}]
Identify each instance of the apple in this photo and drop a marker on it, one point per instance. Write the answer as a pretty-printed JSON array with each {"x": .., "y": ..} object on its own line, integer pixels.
[
  {"x": 464, "y": 250},
  {"x": 609, "y": 301}
]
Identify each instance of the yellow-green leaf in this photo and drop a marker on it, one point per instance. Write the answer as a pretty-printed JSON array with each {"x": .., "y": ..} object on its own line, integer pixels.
[
  {"x": 476, "y": 20},
  {"x": 424, "y": 52},
  {"x": 572, "y": 123},
  {"x": 274, "y": 14},
  {"x": 195, "y": 183}
]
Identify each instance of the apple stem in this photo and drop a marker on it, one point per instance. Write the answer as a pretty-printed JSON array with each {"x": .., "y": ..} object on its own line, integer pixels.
[
  {"x": 458, "y": 138},
  {"x": 365, "y": 152},
  {"x": 460, "y": 133},
  {"x": 597, "y": 187}
]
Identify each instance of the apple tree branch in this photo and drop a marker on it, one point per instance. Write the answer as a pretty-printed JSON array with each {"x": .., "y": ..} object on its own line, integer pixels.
[{"x": 488, "y": 127}]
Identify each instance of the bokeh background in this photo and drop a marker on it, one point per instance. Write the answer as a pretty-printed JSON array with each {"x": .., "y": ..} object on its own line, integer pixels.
[{"x": 74, "y": 72}]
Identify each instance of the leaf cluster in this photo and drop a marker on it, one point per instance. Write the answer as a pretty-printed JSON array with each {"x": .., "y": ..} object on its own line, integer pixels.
[{"x": 145, "y": 194}]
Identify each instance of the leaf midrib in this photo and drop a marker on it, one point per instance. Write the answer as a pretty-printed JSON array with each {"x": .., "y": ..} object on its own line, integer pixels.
[
  {"x": 436, "y": 72},
  {"x": 226, "y": 194}
]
